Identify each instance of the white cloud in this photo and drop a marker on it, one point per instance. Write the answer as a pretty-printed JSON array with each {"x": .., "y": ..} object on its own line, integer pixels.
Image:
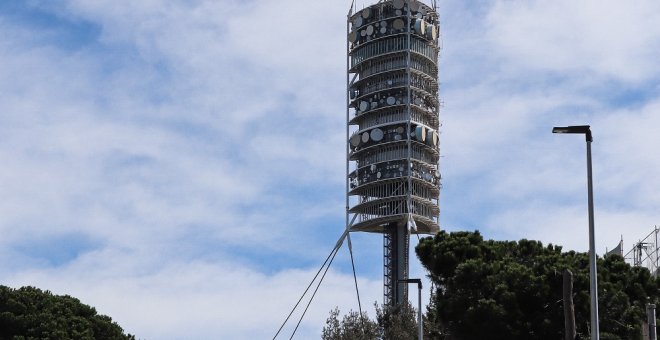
[{"x": 612, "y": 39}]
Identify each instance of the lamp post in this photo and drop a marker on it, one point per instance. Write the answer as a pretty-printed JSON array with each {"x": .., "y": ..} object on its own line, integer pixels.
[
  {"x": 593, "y": 291},
  {"x": 419, "y": 304}
]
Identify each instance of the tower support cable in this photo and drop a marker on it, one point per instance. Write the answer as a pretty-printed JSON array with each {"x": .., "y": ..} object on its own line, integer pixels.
[
  {"x": 336, "y": 250},
  {"x": 325, "y": 265}
]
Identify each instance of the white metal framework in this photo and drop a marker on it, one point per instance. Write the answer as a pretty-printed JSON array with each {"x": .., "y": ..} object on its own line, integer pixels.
[
  {"x": 393, "y": 178},
  {"x": 644, "y": 253}
]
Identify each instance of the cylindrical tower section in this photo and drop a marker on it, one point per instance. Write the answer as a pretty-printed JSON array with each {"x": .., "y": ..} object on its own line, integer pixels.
[{"x": 393, "y": 108}]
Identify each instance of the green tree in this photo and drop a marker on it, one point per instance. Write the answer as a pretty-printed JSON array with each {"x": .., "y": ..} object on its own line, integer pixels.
[
  {"x": 353, "y": 326},
  {"x": 392, "y": 323},
  {"x": 30, "y": 313},
  {"x": 513, "y": 290},
  {"x": 397, "y": 322}
]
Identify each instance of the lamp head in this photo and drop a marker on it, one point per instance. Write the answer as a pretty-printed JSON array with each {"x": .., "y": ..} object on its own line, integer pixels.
[{"x": 581, "y": 129}]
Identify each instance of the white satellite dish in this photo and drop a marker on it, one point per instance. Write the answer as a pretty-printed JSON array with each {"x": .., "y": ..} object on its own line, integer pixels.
[
  {"x": 355, "y": 140},
  {"x": 352, "y": 37},
  {"x": 391, "y": 100},
  {"x": 366, "y": 13},
  {"x": 429, "y": 137},
  {"x": 420, "y": 133},
  {"x": 420, "y": 26},
  {"x": 377, "y": 135},
  {"x": 365, "y": 137},
  {"x": 364, "y": 105},
  {"x": 370, "y": 30},
  {"x": 398, "y": 24},
  {"x": 398, "y": 4}
]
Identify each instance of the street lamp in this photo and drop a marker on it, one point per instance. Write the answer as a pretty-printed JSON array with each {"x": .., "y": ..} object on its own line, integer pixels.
[
  {"x": 419, "y": 304},
  {"x": 593, "y": 291}
]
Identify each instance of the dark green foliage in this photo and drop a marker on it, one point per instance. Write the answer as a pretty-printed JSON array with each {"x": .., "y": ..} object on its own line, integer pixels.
[
  {"x": 513, "y": 290},
  {"x": 30, "y": 313},
  {"x": 397, "y": 322}
]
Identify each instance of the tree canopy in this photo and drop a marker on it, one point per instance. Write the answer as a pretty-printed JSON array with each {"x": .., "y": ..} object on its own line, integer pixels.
[
  {"x": 30, "y": 313},
  {"x": 392, "y": 323},
  {"x": 513, "y": 290}
]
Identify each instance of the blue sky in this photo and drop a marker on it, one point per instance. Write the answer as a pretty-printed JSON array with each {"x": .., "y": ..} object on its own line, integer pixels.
[{"x": 179, "y": 165}]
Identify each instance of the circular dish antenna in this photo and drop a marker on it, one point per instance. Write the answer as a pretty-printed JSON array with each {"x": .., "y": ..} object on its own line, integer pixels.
[
  {"x": 370, "y": 29},
  {"x": 399, "y": 129},
  {"x": 355, "y": 140},
  {"x": 434, "y": 32},
  {"x": 378, "y": 175},
  {"x": 398, "y": 4},
  {"x": 364, "y": 106},
  {"x": 383, "y": 30},
  {"x": 352, "y": 37},
  {"x": 429, "y": 137},
  {"x": 365, "y": 137},
  {"x": 398, "y": 24},
  {"x": 366, "y": 13},
  {"x": 420, "y": 133},
  {"x": 391, "y": 100},
  {"x": 377, "y": 135},
  {"x": 359, "y": 21},
  {"x": 420, "y": 26},
  {"x": 435, "y": 138},
  {"x": 383, "y": 23}
]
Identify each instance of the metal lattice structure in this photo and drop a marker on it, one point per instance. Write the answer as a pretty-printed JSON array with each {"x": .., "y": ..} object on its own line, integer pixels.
[
  {"x": 644, "y": 253},
  {"x": 393, "y": 178}
]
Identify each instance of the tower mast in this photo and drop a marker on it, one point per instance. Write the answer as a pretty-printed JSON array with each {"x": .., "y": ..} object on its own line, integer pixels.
[{"x": 392, "y": 114}]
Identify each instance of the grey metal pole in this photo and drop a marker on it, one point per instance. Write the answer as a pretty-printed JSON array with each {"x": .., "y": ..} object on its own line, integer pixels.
[
  {"x": 650, "y": 314},
  {"x": 595, "y": 335},
  {"x": 419, "y": 312},
  {"x": 419, "y": 303}
]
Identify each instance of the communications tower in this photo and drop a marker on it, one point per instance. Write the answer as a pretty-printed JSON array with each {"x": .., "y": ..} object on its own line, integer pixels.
[{"x": 393, "y": 179}]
